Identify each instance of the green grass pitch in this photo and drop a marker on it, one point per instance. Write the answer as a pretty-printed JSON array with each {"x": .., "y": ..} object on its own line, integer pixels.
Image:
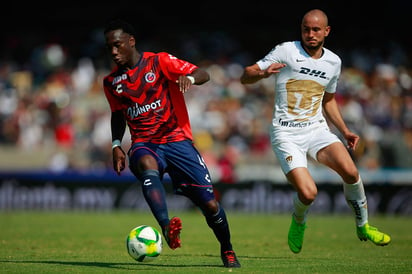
[{"x": 94, "y": 242}]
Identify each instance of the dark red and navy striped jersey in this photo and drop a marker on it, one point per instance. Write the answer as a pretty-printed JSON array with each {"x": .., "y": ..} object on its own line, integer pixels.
[{"x": 150, "y": 98}]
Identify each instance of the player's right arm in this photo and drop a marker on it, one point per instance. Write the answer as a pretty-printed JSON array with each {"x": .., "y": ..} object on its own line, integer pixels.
[
  {"x": 117, "y": 124},
  {"x": 254, "y": 73},
  {"x": 118, "y": 127}
]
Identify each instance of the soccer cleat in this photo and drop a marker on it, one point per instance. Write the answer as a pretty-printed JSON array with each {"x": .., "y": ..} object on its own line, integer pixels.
[
  {"x": 295, "y": 236},
  {"x": 367, "y": 232},
  {"x": 171, "y": 232},
  {"x": 229, "y": 259}
]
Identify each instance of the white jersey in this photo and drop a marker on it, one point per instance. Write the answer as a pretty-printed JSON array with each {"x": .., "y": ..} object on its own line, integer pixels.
[
  {"x": 301, "y": 84},
  {"x": 298, "y": 126}
]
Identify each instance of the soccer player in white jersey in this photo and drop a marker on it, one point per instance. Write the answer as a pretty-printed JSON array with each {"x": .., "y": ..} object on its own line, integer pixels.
[{"x": 306, "y": 79}]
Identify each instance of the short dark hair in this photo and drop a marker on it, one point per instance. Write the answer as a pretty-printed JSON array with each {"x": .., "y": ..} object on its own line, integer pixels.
[{"x": 119, "y": 24}]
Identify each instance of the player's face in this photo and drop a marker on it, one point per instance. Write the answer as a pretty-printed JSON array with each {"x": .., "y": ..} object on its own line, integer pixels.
[
  {"x": 120, "y": 46},
  {"x": 314, "y": 30}
]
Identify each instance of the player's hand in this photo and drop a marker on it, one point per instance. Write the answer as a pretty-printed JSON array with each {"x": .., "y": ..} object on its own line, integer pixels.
[
  {"x": 119, "y": 160},
  {"x": 184, "y": 83},
  {"x": 274, "y": 68},
  {"x": 352, "y": 140}
]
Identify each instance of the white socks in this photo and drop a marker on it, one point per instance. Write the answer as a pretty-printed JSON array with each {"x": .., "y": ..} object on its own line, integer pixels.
[
  {"x": 300, "y": 210},
  {"x": 356, "y": 198}
]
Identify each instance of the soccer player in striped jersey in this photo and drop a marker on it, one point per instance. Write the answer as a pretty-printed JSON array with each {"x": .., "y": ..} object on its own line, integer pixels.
[
  {"x": 306, "y": 79},
  {"x": 145, "y": 92}
]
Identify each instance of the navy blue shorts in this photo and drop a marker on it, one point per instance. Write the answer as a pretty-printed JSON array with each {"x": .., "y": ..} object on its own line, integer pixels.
[{"x": 184, "y": 164}]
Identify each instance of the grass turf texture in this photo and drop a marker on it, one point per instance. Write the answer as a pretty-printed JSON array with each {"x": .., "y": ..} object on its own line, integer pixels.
[{"x": 87, "y": 242}]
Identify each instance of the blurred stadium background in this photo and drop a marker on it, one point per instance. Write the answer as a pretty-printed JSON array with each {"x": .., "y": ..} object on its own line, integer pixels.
[{"x": 54, "y": 118}]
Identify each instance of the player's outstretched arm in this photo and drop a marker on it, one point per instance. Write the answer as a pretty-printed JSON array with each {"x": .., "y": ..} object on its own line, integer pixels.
[{"x": 253, "y": 73}]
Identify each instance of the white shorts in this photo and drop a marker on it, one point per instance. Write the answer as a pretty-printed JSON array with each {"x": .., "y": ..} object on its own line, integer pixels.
[{"x": 292, "y": 145}]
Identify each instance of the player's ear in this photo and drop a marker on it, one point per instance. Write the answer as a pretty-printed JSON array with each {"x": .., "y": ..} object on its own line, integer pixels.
[
  {"x": 327, "y": 31},
  {"x": 132, "y": 41}
]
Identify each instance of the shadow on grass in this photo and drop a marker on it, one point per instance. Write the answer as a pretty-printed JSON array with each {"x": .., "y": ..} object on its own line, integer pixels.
[{"x": 116, "y": 265}]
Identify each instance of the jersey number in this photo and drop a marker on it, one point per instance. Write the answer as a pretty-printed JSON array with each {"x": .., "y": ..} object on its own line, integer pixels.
[{"x": 304, "y": 98}]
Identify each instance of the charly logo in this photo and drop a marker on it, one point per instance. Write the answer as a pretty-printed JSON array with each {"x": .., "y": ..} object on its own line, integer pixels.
[{"x": 150, "y": 77}]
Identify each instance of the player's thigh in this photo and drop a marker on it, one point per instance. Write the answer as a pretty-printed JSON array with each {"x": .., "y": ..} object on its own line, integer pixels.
[
  {"x": 189, "y": 173},
  {"x": 185, "y": 162},
  {"x": 337, "y": 157},
  {"x": 144, "y": 156}
]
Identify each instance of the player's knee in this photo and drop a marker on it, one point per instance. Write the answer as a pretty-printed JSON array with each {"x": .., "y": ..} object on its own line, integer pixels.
[
  {"x": 147, "y": 162},
  {"x": 211, "y": 207},
  {"x": 351, "y": 176},
  {"x": 307, "y": 196},
  {"x": 138, "y": 165}
]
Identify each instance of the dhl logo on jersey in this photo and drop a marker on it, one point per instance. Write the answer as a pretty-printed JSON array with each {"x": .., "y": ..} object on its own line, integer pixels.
[{"x": 313, "y": 72}]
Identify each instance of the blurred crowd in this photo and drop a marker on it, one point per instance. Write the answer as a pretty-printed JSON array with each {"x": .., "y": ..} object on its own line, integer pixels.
[{"x": 53, "y": 103}]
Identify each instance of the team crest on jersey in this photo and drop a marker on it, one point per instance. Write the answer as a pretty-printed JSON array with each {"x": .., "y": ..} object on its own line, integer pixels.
[
  {"x": 150, "y": 77},
  {"x": 289, "y": 159}
]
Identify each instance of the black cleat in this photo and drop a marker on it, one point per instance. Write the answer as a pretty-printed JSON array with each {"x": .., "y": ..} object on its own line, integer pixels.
[{"x": 229, "y": 259}]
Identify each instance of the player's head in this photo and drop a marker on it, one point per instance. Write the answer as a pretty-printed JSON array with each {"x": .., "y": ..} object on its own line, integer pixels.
[
  {"x": 120, "y": 24},
  {"x": 120, "y": 41},
  {"x": 314, "y": 29}
]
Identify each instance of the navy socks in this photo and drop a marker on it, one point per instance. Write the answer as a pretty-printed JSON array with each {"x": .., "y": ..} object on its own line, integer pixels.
[
  {"x": 218, "y": 223},
  {"x": 155, "y": 195}
]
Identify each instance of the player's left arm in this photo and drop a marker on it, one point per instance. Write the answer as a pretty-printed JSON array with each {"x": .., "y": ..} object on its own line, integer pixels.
[
  {"x": 332, "y": 112},
  {"x": 183, "y": 73},
  {"x": 196, "y": 77}
]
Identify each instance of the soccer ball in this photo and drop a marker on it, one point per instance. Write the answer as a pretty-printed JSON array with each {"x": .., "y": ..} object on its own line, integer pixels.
[{"x": 144, "y": 243}]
